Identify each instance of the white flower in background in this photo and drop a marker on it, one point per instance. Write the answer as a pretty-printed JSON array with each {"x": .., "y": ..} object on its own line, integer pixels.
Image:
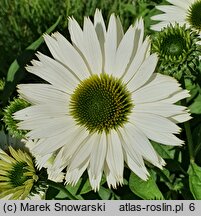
[
  {"x": 181, "y": 11},
  {"x": 102, "y": 104}
]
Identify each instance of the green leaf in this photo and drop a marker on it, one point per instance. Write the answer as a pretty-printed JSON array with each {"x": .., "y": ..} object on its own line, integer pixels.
[
  {"x": 195, "y": 180},
  {"x": 104, "y": 193},
  {"x": 61, "y": 196},
  {"x": 147, "y": 190},
  {"x": 72, "y": 190},
  {"x": 195, "y": 107},
  {"x": 85, "y": 186},
  {"x": 82, "y": 187},
  {"x": 166, "y": 152}
]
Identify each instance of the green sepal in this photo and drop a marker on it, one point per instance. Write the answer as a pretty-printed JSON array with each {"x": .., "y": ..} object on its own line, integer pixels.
[{"x": 11, "y": 124}]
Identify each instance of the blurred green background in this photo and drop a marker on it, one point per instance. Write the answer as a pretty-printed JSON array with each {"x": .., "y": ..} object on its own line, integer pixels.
[{"x": 23, "y": 21}]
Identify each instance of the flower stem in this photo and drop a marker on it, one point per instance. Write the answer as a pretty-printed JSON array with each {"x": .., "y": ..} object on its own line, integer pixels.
[
  {"x": 189, "y": 140},
  {"x": 61, "y": 188},
  {"x": 187, "y": 128}
]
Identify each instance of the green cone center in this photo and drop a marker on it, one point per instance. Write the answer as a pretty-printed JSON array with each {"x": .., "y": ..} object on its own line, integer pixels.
[
  {"x": 194, "y": 15},
  {"x": 173, "y": 45},
  {"x": 101, "y": 103},
  {"x": 16, "y": 175}
]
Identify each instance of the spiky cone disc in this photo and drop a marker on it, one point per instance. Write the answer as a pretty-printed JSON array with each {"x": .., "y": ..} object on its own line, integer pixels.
[{"x": 178, "y": 49}]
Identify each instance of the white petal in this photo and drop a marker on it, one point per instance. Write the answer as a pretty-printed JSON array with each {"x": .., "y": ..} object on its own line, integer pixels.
[
  {"x": 100, "y": 29},
  {"x": 46, "y": 128},
  {"x": 129, "y": 148},
  {"x": 181, "y": 118},
  {"x": 53, "y": 72},
  {"x": 163, "y": 138},
  {"x": 159, "y": 26},
  {"x": 87, "y": 43},
  {"x": 159, "y": 108},
  {"x": 181, "y": 3},
  {"x": 140, "y": 145},
  {"x": 55, "y": 175},
  {"x": 63, "y": 51},
  {"x": 94, "y": 181},
  {"x": 114, "y": 158},
  {"x": 76, "y": 34},
  {"x": 30, "y": 124},
  {"x": 77, "y": 38},
  {"x": 97, "y": 160},
  {"x": 124, "y": 52},
  {"x": 73, "y": 176},
  {"x": 179, "y": 95},
  {"x": 137, "y": 61},
  {"x": 54, "y": 169},
  {"x": 51, "y": 144},
  {"x": 83, "y": 152},
  {"x": 99, "y": 25},
  {"x": 172, "y": 8},
  {"x": 158, "y": 83},
  {"x": 112, "y": 39},
  {"x": 171, "y": 13},
  {"x": 139, "y": 34},
  {"x": 57, "y": 162},
  {"x": 111, "y": 179},
  {"x": 43, "y": 111},
  {"x": 43, "y": 161},
  {"x": 120, "y": 31},
  {"x": 154, "y": 122},
  {"x": 77, "y": 138},
  {"x": 42, "y": 94},
  {"x": 171, "y": 17},
  {"x": 48, "y": 146},
  {"x": 136, "y": 44},
  {"x": 144, "y": 73},
  {"x": 139, "y": 171},
  {"x": 92, "y": 50}
]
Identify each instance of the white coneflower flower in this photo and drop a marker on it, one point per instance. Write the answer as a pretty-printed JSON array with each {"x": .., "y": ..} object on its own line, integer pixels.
[
  {"x": 181, "y": 11},
  {"x": 103, "y": 102}
]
